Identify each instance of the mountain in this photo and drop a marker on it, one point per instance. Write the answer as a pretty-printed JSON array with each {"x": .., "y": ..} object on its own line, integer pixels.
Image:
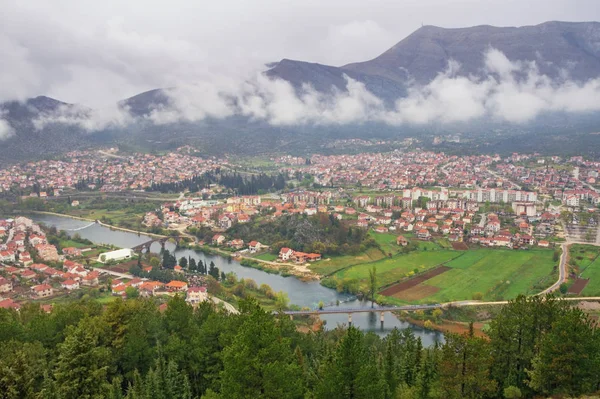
[
  {"x": 559, "y": 49},
  {"x": 556, "y": 47}
]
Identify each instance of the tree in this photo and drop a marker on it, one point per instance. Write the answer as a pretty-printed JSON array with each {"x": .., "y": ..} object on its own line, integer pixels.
[
  {"x": 132, "y": 292},
  {"x": 563, "y": 288},
  {"x": 282, "y": 300},
  {"x": 556, "y": 255},
  {"x": 22, "y": 369},
  {"x": 464, "y": 368},
  {"x": 512, "y": 393},
  {"x": 260, "y": 365},
  {"x": 192, "y": 264},
  {"x": 83, "y": 363},
  {"x": 183, "y": 262},
  {"x": 372, "y": 285},
  {"x": 568, "y": 359}
]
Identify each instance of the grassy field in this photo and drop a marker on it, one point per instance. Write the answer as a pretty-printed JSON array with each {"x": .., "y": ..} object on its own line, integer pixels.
[
  {"x": 393, "y": 269},
  {"x": 587, "y": 261},
  {"x": 71, "y": 243},
  {"x": 496, "y": 274},
  {"x": 387, "y": 242},
  {"x": 267, "y": 256},
  {"x": 330, "y": 265}
]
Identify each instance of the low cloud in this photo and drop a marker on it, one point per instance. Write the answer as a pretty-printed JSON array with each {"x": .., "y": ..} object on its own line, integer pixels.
[
  {"x": 90, "y": 120},
  {"x": 510, "y": 91},
  {"x": 6, "y": 130}
]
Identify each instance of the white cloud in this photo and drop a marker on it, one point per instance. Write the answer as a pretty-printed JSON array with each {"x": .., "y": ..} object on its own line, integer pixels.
[
  {"x": 6, "y": 130},
  {"x": 515, "y": 92},
  {"x": 90, "y": 120}
]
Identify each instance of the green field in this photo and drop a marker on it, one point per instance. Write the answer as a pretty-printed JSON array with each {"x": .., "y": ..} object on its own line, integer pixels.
[
  {"x": 267, "y": 256},
  {"x": 494, "y": 273},
  {"x": 330, "y": 265},
  {"x": 588, "y": 266},
  {"x": 71, "y": 243},
  {"x": 497, "y": 274},
  {"x": 387, "y": 241},
  {"x": 390, "y": 270}
]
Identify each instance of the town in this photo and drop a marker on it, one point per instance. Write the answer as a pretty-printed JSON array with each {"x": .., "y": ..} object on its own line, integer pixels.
[{"x": 384, "y": 208}]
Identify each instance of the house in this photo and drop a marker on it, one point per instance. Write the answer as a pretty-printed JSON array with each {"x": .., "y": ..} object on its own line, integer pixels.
[
  {"x": 71, "y": 251},
  {"x": 25, "y": 259},
  {"x": 178, "y": 269},
  {"x": 118, "y": 255},
  {"x": 70, "y": 285},
  {"x": 312, "y": 257},
  {"x": 543, "y": 243},
  {"x": 9, "y": 304},
  {"x": 5, "y": 285},
  {"x": 243, "y": 218},
  {"x": 236, "y": 243},
  {"x": 502, "y": 242},
  {"x": 136, "y": 283},
  {"x": 381, "y": 229},
  {"x": 7, "y": 256},
  {"x": 225, "y": 222},
  {"x": 27, "y": 274},
  {"x": 149, "y": 288},
  {"x": 285, "y": 253},
  {"x": 177, "y": 286},
  {"x": 196, "y": 295},
  {"x": 218, "y": 239},
  {"x": 91, "y": 280},
  {"x": 42, "y": 290},
  {"x": 47, "y": 252},
  {"x": 401, "y": 240},
  {"x": 423, "y": 234},
  {"x": 299, "y": 257},
  {"x": 254, "y": 246},
  {"x": 119, "y": 290}
]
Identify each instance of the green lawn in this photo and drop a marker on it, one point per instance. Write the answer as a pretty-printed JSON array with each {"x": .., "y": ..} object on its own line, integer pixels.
[
  {"x": 335, "y": 263},
  {"x": 393, "y": 269},
  {"x": 589, "y": 266},
  {"x": 496, "y": 274},
  {"x": 71, "y": 243},
  {"x": 267, "y": 256},
  {"x": 387, "y": 241}
]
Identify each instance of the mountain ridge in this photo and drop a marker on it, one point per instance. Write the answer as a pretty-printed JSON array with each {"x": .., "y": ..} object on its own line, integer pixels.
[{"x": 558, "y": 48}]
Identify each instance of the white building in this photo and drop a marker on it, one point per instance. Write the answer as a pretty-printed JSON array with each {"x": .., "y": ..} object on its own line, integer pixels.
[{"x": 118, "y": 255}]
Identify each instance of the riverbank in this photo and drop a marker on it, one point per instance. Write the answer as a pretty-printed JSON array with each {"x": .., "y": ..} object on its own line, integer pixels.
[{"x": 302, "y": 272}]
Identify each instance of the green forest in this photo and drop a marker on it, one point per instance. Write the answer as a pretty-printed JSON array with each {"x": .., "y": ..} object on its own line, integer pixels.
[
  {"x": 129, "y": 349},
  {"x": 319, "y": 233}
]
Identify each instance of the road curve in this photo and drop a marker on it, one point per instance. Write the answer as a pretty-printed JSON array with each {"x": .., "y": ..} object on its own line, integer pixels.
[{"x": 562, "y": 270}]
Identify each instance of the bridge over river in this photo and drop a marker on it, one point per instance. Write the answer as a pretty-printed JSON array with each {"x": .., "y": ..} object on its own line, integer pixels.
[{"x": 379, "y": 309}]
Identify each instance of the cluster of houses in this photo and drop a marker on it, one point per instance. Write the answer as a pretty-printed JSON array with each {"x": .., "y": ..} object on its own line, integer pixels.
[
  {"x": 104, "y": 172},
  {"x": 146, "y": 288},
  {"x": 286, "y": 254}
]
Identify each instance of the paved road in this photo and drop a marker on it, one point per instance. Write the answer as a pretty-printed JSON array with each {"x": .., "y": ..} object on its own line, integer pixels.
[
  {"x": 482, "y": 221},
  {"x": 117, "y": 274},
  {"x": 420, "y": 307},
  {"x": 230, "y": 308},
  {"x": 562, "y": 270},
  {"x": 500, "y": 177}
]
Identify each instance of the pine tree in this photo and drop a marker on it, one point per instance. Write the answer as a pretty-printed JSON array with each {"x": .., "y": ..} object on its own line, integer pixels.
[{"x": 82, "y": 363}]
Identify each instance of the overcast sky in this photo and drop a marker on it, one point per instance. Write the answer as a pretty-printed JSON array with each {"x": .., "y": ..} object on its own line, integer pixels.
[{"x": 94, "y": 53}]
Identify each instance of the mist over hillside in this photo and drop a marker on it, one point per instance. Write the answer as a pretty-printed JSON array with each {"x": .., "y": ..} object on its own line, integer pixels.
[{"x": 531, "y": 80}]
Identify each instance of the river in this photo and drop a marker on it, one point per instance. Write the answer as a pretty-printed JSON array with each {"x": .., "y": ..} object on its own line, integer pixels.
[{"x": 299, "y": 292}]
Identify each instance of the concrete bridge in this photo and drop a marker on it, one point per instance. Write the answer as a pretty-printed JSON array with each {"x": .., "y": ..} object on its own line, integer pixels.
[
  {"x": 379, "y": 309},
  {"x": 162, "y": 240}
]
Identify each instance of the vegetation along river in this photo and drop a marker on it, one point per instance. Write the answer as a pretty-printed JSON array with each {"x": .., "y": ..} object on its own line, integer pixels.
[{"x": 300, "y": 293}]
